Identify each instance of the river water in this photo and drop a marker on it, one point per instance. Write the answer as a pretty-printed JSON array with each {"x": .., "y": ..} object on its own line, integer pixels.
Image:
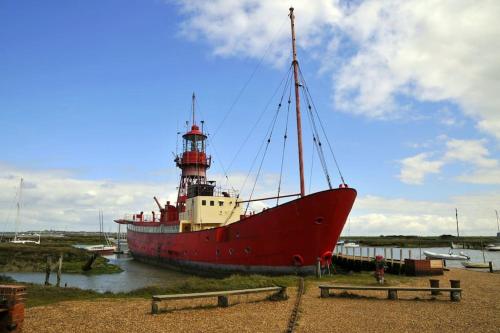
[{"x": 137, "y": 275}]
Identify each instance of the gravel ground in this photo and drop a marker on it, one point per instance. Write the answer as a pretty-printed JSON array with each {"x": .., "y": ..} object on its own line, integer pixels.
[{"x": 479, "y": 311}]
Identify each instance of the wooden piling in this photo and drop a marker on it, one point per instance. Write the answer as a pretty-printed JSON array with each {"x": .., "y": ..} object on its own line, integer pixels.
[
  {"x": 59, "y": 270},
  {"x": 48, "y": 267},
  {"x": 491, "y": 266}
]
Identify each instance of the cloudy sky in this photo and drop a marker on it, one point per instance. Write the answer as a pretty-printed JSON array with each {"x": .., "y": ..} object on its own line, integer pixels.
[{"x": 93, "y": 93}]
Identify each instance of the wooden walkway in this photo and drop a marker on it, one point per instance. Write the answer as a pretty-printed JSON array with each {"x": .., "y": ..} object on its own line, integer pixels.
[{"x": 365, "y": 261}]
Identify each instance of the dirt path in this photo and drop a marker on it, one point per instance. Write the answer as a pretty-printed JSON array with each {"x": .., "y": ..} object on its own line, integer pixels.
[{"x": 479, "y": 311}]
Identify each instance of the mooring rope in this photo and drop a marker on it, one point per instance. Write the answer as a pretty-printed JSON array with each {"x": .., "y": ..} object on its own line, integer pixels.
[{"x": 292, "y": 322}]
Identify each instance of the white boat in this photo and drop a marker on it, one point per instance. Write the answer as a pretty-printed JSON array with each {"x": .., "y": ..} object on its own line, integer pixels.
[
  {"x": 22, "y": 239},
  {"x": 470, "y": 264},
  {"x": 446, "y": 256},
  {"x": 107, "y": 248},
  {"x": 351, "y": 244},
  {"x": 101, "y": 249},
  {"x": 493, "y": 247}
]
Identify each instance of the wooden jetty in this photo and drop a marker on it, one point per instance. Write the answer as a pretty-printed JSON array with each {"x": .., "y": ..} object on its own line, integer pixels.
[{"x": 364, "y": 260}]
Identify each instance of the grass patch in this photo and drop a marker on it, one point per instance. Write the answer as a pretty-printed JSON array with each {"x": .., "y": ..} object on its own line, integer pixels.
[
  {"x": 33, "y": 258},
  {"x": 358, "y": 278},
  {"x": 39, "y": 295},
  {"x": 42, "y": 295}
]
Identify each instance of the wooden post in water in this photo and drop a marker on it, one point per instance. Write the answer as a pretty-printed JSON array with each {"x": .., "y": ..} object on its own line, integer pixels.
[
  {"x": 392, "y": 257},
  {"x": 374, "y": 252},
  {"x": 385, "y": 253},
  {"x": 48, "y": 267},
  {"x": 409, "y": 254},
  {"x": 491, "y": 266},
  {"x": 59, "y": 270}
]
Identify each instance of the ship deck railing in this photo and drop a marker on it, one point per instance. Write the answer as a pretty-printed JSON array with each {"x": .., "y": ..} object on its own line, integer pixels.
[{"x": 222, "y": 296}]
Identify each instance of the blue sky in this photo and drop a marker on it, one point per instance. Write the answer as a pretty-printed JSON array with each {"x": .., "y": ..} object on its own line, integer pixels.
[{"x": 93, "y": 93}]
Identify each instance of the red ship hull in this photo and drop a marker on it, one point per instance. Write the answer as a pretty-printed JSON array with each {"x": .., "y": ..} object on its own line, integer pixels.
[{"x": 288, "y": 238}]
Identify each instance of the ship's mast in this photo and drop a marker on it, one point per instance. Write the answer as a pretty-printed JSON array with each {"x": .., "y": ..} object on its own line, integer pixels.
[
  {"x": 295, "y": 64},
  {"x": 18, "y": 213}
]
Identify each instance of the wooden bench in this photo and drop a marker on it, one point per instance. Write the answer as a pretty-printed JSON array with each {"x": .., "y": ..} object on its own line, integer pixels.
[
  {"x": 392, "y": 292},
  {"x": 222, "y": 296}
]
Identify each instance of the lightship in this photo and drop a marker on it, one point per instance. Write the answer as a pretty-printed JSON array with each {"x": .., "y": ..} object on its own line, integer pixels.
[{"x": 206, "y": 229}]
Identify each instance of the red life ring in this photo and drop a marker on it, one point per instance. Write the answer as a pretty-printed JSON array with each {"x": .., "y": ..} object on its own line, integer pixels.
[{"x": 298, "y": 260}]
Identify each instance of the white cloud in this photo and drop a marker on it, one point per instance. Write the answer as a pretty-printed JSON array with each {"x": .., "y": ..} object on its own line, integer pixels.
[
  {"x": 470, "y": 151},
  {"x": 375, "y": 215},
  {"x": 432, "y": 50},
  {"x": 473, "y": 153},
  {"x": 58, "y": 199},
  {"x": 54, "y": 199},
  {"x": 415, "y": 168}
]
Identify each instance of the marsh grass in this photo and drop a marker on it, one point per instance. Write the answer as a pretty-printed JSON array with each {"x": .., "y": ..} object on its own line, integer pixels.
[{"x": 33, "y": 258}]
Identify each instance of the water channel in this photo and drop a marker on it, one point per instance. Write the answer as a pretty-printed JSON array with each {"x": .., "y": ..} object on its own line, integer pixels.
[{"x": 137, "y": 275}]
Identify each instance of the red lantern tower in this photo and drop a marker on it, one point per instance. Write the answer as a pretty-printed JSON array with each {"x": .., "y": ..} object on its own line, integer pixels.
[{"x": 194, "y": 163}]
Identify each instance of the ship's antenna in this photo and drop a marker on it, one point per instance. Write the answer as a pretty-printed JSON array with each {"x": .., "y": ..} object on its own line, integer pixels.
[
  {"x": 194, "y": 101},
  {"x": 295, "y": 64}
]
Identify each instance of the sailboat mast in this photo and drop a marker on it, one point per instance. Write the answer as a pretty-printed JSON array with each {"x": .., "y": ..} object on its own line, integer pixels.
[
  {"x": 295, "y": 64},
  {"x": 498, "y": 224},
  {"x": 456, "y": 216},
  {"x": 18, "y": 213}
]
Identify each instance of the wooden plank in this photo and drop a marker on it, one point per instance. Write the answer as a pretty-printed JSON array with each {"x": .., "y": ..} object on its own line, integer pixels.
[
  {"x": 389, "y": 288},
  {"x": 215, "y": 293}
]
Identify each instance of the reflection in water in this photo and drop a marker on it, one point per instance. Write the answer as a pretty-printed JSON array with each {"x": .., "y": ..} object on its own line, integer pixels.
[{"x": 135, "y": 275}]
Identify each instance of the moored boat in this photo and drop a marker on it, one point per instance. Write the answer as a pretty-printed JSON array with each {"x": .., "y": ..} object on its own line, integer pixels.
[
  {"x": 470, "y": 264},
  {"x": 207, "y": 228},
  {"x": 493, "y": 247},
  {"x": 101, "y": 249},
  {"x": 446, "y": 256}
]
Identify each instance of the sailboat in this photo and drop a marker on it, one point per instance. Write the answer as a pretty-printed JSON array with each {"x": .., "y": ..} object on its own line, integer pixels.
[
  {"x": 450, "y": 255},
  {"x": 207, "y": 229},
  {"x": 21, "y": 238},
  {"x": 102, "y": 249},
  {"x": 495, "y": 247}
]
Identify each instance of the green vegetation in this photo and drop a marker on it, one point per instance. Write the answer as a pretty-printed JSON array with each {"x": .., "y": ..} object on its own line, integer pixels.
[
  {"x": 33, "y": 258},
  {"x": 42, "y": 295},
  {"x": 361, "y": 278},
  {"x": 473, "y": 242}
]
